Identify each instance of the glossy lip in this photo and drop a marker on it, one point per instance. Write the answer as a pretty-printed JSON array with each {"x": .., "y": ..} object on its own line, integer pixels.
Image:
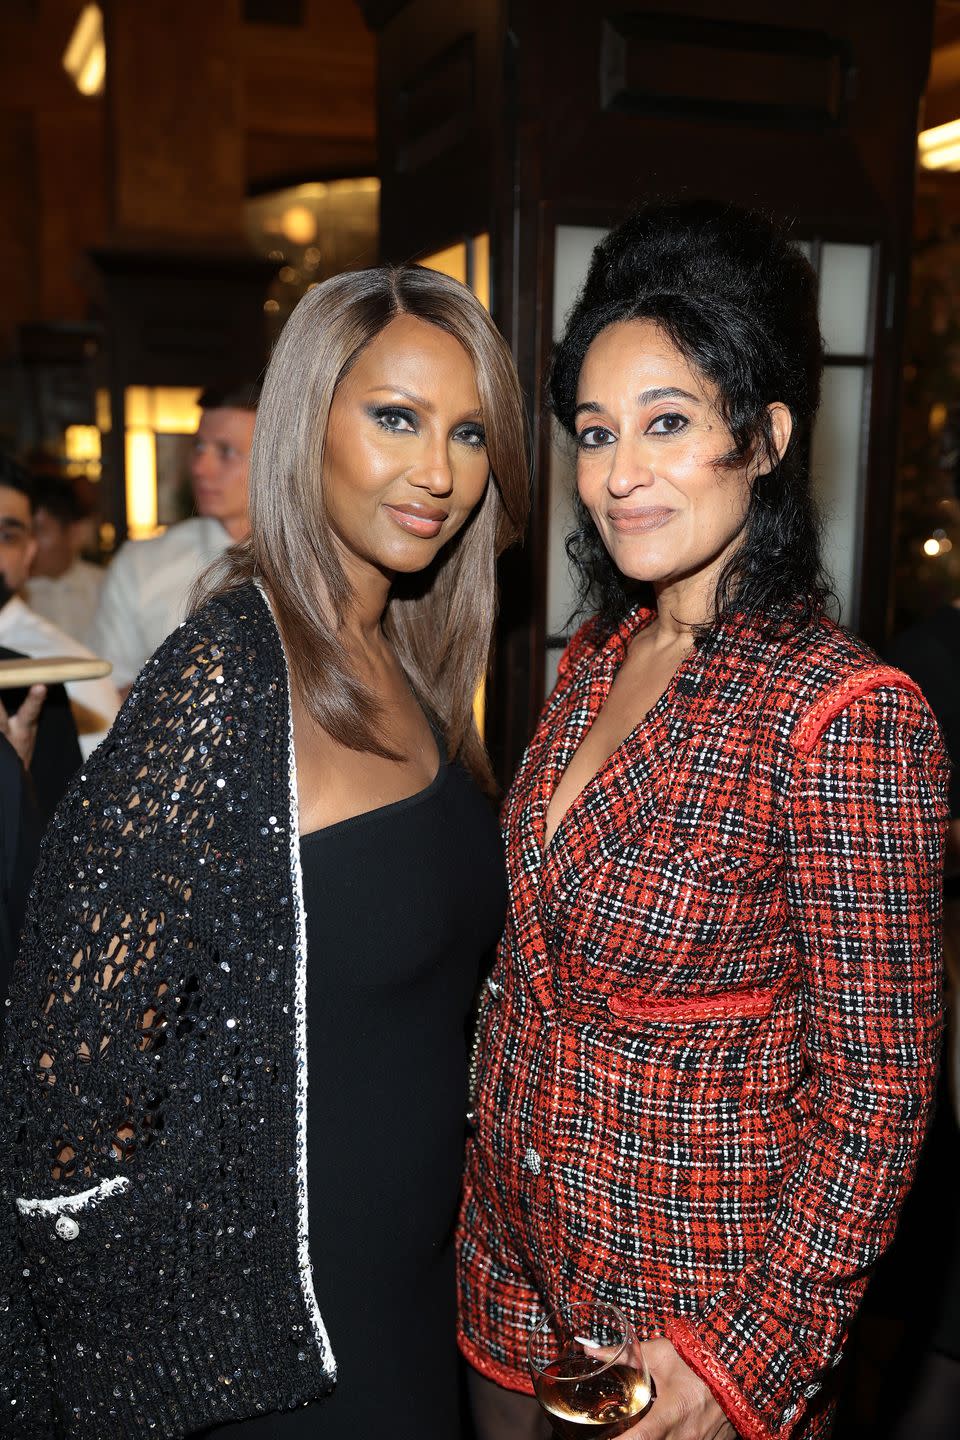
[
  {"x": 640, "y": 519},
  {"x": 422, "y": 520}
]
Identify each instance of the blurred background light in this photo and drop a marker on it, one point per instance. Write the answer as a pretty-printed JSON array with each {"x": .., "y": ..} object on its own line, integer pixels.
[{"x": 85, "y": 58}]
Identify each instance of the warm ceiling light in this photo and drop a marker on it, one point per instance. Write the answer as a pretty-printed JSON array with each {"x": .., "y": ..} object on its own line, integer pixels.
[
  {"x": 939, "y": 135},
  {"x": 945, "y": 157},
  {"x": 85, "y": 58},
  {"x": 299, "y": 224}
]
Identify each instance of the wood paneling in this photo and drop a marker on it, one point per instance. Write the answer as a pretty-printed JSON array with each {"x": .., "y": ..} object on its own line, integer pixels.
[
  {"x": 567, "y": 115},
  {"x": 317, "y": 79},
  {"x": 69, "y": 145},
  {"x": 19, "y": 219},
  {"x": 201, "y": 109},
  {"x": 175, "y": 108},
  {"x": 439, "y": 122},
  {"x": 722, "y": 69}
]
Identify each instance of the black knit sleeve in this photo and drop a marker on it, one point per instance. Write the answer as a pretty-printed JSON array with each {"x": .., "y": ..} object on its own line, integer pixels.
[{"x": 128, "y": 883}]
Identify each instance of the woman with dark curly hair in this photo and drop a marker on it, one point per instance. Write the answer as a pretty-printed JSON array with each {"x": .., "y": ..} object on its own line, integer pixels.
[{"x": 707, "y": 1050}]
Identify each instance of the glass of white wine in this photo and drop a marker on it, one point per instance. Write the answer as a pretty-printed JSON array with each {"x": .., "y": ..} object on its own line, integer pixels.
[{"x": 588, "y": 1371}]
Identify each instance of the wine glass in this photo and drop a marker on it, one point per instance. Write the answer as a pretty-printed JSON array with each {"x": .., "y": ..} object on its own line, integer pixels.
[{"x": 588, "y": 1371}]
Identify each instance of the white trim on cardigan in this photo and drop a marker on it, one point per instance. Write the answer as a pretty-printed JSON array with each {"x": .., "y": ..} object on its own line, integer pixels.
[
  {"x": 82, "y": 1200},
  {"x": 300, "y": 1016}
]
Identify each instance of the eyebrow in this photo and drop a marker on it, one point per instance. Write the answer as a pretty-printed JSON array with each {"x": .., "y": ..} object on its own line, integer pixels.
[
  {"x": 413, "y": 398},
  {"x": 13, "y": 522},
  {"x": 646, "y": 397}
]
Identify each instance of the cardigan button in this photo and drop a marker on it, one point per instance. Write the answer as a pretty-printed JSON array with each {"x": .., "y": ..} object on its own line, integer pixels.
[
  {"x": 67, "y": 1228},
  {"x": 532, "y": 1160}
]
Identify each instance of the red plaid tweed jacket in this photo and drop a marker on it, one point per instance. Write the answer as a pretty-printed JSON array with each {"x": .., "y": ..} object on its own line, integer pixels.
[{"x": 707, "y": 1048}]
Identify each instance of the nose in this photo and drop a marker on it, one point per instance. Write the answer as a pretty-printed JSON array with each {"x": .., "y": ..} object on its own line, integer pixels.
[
  {"x": 631, "y": 469},
  {"x": 435, "y": 474}
]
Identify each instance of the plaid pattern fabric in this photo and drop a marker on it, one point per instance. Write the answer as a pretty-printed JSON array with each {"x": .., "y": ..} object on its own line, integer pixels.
[{"x": 708, "y": 1046}]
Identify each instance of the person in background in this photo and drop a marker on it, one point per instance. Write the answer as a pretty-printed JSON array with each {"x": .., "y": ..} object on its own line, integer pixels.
[
  {"x": 20, "y": 825},
  {"x": 63, "y": 587},
  {"x": 46, "y": 743},
  {"x": 145, "y": 593},
  {"x": 94, "y": 702}
]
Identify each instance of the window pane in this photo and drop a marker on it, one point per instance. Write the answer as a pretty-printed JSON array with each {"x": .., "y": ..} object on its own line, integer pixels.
[
  {"x": 836, "y": 455},
  {"x": 574, "y": 246},
  {"x": 550, "y": 670},
  {"x": 845, "y": 297},
  {"x": 560, "y": 586}
]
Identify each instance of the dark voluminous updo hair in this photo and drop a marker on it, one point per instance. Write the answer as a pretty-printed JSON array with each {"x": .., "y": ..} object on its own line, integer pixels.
[{"x": 739, "y": 302}]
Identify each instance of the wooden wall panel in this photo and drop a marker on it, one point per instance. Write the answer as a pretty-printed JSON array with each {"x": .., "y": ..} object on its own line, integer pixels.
[
  {"x": 69, "y": 146},
  {"x": 174, "y": 99},
  {"x": 19, "y": 215},
  {"x": 440, "y": 122},
  {"x": 573, "y": 112}
]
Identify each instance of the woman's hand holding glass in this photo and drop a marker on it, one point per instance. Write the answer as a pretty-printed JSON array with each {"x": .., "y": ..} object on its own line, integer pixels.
[
  {"x": 593, "y": 1377},
  {"x": 589, "y": 1373}
]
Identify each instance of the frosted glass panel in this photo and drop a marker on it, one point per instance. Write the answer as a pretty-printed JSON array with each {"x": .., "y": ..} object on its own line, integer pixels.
[
  {"x": 574, "y": 247},
  {"x": 550, "y": 670},
  {"x": 560, "y": 586},
  {"x": 571, "y": 259},
  {"x": 835, "y": 456},
  {"x": 845, "y": 297}
]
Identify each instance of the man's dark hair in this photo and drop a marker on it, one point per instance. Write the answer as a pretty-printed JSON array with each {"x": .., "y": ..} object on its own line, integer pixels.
[
  {"x": 16, "y": 478},
  {"x": 739, "y": 302},
  {"x": 235, "y": 395},
  {"x": 59, "y": 499}
]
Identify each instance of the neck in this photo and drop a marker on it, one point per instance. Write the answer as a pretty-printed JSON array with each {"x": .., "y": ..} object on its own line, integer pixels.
[
  {"x": 370, "y": 592},
  {"x": 55, "y": 573},
  {"x": 237, "y": 527},
  {"x": 690, "y": 600},
  {"x": 680, "y": 606}
]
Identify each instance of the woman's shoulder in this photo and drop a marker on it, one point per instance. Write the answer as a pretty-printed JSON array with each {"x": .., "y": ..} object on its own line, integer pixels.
[
  {"x": 231, "y": 626},
  {"x": 820, "y": 671},
  {"x": 212, "y": 694},
  {"x": 221, "y": 667}
]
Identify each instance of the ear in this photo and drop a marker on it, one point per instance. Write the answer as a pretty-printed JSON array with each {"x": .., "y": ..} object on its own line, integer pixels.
[{"x": 781, "y": 427}]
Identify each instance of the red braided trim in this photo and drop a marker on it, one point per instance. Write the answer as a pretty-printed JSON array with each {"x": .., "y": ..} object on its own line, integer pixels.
[
  {"x": 492, "y": 1369},
  {"x": 833, "y": 701},
  {"x": 734, "y": 1404},
  {"x": 735, "y": 1005}
]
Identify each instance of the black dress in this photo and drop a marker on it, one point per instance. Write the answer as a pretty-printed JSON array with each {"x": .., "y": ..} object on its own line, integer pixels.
[{"x": 402, "y": 905}]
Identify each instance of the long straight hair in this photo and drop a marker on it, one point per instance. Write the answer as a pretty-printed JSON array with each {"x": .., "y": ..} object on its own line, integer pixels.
[{"x": 439, "y": 621}]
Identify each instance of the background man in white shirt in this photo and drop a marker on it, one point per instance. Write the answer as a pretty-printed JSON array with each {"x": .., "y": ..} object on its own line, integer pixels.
[
  {"x": 148, "y": 584},
  {"x": 94, "y": 702},
  {"x": 63, "y": 587}
]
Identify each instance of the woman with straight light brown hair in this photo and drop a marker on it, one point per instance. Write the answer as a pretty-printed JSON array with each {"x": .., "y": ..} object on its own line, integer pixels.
[{"x": 204, "y": 1242}]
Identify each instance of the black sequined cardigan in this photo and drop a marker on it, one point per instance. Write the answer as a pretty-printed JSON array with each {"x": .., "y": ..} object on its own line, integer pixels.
[{"x": 155, "y": 1269}]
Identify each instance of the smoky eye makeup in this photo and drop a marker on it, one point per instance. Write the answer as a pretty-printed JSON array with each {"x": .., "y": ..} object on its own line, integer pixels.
[
  {"x": 395, "y": 419},
  {"x": 472, "y": 434}
]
